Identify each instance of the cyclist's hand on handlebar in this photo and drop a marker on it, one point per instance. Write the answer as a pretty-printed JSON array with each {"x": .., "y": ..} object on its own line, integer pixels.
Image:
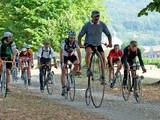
[
  {"x": 109, "y": 45},
  {"x": 81, "y": 46},
  {"x": 144, "y": 70}
]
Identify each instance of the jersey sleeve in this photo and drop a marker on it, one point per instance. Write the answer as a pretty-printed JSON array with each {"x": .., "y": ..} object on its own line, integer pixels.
[
  {"x": 76, "y": 43},
  {"x": 63, "y": 44},
  {"x": 105, "y": 29},
  {"x": 52, "y": 53},
  {"x": 39, "y": 52},
  {"x": 13, "y": 46},
  {"x": 31, "y": 52}
]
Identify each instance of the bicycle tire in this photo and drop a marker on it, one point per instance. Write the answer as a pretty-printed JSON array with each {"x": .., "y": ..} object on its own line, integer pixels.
[
  {"x": 72, "y": 88},
  {"x": 50, "y": 83},
  {"x": 138, "y": 90},
  {"x": 119, "y": 80},
  {"x": 67, "y": 84},
  {"x": 13, "y": 75},
  {"x": 3, "y": 85},
  {"x": 25, "y": 76},
  {"x": 88, "y": 96},
  {"x": 126, "y": 88},
  {"x": 97, "y": 89}
]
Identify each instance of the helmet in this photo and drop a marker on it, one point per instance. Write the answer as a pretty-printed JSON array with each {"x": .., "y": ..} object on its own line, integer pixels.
[
  {"x": 27, "y": 46},
  {"x": 46, "y": 42},
  {"x": 24, "y": 49},
  {"x": 7, "y": 34},
  {"x": 72, "y": 33}
]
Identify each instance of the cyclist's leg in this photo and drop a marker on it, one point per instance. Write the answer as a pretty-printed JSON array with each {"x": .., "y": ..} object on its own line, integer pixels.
[
  {"x": 88, "y": 50},
  {"x": 125, "y": 73},
  {"x": 119, "y": 64},
  {"x": 100, "y": 50},
  {"x": 29, "y": 75},
  {"x": 111, "y": 70},
  {"x": 75, "y": 61}
]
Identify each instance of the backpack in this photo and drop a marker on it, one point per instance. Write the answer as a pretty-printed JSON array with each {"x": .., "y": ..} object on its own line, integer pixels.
[
  {"x": 44, "y": 50},
  {"x": 69, "y": 48}
]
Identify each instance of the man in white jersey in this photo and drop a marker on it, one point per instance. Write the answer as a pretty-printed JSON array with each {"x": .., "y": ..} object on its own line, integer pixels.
[
  {"x": 45, "y": 54},
  {"x": 67, "y": 54}
]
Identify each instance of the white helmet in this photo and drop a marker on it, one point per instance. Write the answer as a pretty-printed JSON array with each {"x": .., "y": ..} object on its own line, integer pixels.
[
  {"x": 24, "y": 49},
  {"x": 27, "y": 46},
  {"x": 7, "y": 34},
  {"x": 71, "y": 33}
]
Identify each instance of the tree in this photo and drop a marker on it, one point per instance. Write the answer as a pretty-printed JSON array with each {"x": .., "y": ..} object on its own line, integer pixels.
[
  {"x": 152, "y": 6},
  {"x": 32, "y": 21}
]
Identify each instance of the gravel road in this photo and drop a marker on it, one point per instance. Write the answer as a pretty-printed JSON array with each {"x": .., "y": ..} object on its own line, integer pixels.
[{"x": 113, "y": 107}]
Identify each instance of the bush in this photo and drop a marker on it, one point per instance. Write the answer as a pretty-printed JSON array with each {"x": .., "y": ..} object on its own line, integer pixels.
[{"x": 153, "y": 61}]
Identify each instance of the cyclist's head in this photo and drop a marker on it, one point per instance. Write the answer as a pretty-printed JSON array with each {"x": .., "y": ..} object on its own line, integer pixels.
[
  {"x": 95, "y": 16},
  {"x": 24, "y": 50},
  {"x": 8, "y": 36},
  {"x": 46, "y": 43},
  {"x": 71, "y": 35},
  {"x": 133, "y": 45},
  {"x": 27, "y": 46},
  {"x": 116, "y": 47}
]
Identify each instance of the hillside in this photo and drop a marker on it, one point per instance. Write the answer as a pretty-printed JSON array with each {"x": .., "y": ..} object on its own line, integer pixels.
[{"x": 124, "y": 20}]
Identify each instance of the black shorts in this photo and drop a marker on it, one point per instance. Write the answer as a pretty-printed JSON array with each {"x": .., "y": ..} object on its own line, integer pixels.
[
  {"x": 99, "y": 48},
  {"x": 8, "y": 65},
  {"x": 114, "y": 61},
  {"x": 71, "y": 59}
]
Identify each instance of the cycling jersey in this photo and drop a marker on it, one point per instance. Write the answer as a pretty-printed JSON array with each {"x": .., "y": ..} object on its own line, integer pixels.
[
  {"x": 114, "y": 55},
  {"x": 43, "y": 53},
  {"x": 30, "y": 51},
  {"x": 69, "y": 48}
]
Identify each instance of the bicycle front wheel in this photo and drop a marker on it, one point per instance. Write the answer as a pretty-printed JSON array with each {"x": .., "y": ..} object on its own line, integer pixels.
[
  {"x": 50, "y": 83},
  {"x": 97, "y": 82},
  {"x": 138, "y": 90},
  {"x": 126, "y": 88},
  {"x": 118, "y": 80},
  {"x": 25, "y": 76},
  {"x": 3, "y": 85},
  {"x": 72, "y": 87}
]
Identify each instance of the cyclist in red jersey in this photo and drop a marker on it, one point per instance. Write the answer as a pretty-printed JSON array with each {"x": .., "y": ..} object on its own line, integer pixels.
[{"x": 114, "y": 57}]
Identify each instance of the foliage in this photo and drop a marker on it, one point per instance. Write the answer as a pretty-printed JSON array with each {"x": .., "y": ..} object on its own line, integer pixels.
[
  {"x": 124, "y": 20},
  {"x": 32, "y": 21},
  {"x": 154, "y": 61},
  {"x": 152, "y": 6}
]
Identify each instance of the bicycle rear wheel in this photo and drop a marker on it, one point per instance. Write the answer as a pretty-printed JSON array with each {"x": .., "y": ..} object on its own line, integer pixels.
[
  {"x": 97, "y": 89},
  {"x": 72, "y": 87},
  {"x": 138, "y": 90},
  {"x": 126, "y": 88},
  {"x": 3, "y": 85},
  {"x": 50, "y": 83}
]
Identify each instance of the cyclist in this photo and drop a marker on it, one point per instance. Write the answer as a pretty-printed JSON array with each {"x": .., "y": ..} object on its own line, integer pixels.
[
  {"x": 93, "y": 30},
  {"x": 29, "y": 50},
  {"x": 45, "y": 54},
  {"x": 25, "y": 56},
  {"x": 67, "y": 54},
  {"x": 129, "y": 58},
  {"x": 7, "y": 50},
  {"x": 114, "y": 57}
]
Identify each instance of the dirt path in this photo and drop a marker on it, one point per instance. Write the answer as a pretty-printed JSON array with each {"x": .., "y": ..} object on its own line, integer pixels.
[{"x": 113, "y": 107}]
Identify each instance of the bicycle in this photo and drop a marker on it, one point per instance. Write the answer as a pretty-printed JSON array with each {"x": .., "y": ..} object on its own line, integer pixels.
[
  {"x": 70, "y": 87},
  {"x": 133, "y": 82},
  {"x": 47, "y": 78},
  {"x": 96, "y": 82},
  {"x": 4, "y": 76}
]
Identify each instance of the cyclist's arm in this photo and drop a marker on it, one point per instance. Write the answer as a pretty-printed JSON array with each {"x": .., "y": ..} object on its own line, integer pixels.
[
  {"x": 53, "y": 56},
  {"x": 14, "y": 51},
  {"x": 81, "y": 34},
  {"x": 39, "y": 56},
  {"x": 140, "y": 58},
  {"x": 125, "y": 60},
  {"x": 79, "y": 55}
]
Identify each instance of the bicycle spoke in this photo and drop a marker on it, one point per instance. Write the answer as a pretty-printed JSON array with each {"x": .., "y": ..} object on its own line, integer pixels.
[{"x": 138, "y": 90}]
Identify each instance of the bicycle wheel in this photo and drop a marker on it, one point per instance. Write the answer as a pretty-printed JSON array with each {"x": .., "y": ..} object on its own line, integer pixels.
[
  {"x": 88, "y": 96},
  {"x": 138, "y": 90},
  {"x": 97, "y": 89},
  {"x": 72, "y": 88},
  {"x": 25, "y": 76},
  {"x": 118, "y": 79},
  {"x": 67, "y": 84},
  {"x": 3, "y": 85},
  {"x": 50, "y": 83},
  {"x": 126, "y": 88}
]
